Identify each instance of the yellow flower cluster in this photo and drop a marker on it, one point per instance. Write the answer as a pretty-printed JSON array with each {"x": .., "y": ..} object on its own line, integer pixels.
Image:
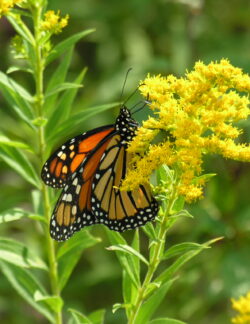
[
  {"x": 196, "y": 116},
  {"x": 53, "y": 22},
  {"x": 6, "y": 5},
  {"x": 242, "y": 305}
]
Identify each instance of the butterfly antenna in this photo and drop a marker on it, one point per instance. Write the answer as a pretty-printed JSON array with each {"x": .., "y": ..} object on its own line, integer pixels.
[
  {"x": 145, "y": 102},
  {"x": 124, "y": 83}
]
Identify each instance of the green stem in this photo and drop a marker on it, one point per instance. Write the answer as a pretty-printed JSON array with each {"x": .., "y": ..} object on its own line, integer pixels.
[
  {"x": 155, "y": 260},
  {"x": 39, "y": 102}
]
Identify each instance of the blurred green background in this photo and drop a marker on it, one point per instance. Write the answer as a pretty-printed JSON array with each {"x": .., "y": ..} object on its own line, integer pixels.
[{"x": 164, "y": 37}]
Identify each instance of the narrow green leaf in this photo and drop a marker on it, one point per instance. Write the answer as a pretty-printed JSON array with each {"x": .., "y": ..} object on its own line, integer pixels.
[
  {"x": 65, "y": 44},
  {"x": 178, "y": 205},
  {"x": 54, "y": 302},
  {"x": 149, "y": 230},
  {"x": 17, "y": 97},
  {"x": 11, "y": 215},
  {"x": 129, "y": 250},
  {"x": 70, "y": 252},
  {"x": 171, "y": 270},
  {"x": 97, "y": 317},
  {"x": 129, "y": 291},
  {"x": 164, "y": 173},
  {"x": 21, "y": 93},
  {"x": 24, "y": 282},
  {"x": 136, "y": 247},
  {"x": 152, "y": 303},
  {"x": 21, "y": 28},
  {"x": 166, "y": 321},
  {"x": 17, "y": 253},
  {"x": 56, "y": 79},
  {"x": 181, "y": 248},
  {"x": 20, "y": 163},
  {"x": 62, "y": 87},
  {"x": 62, "y": 110},
  {"x": 76, "y": 120},
  {"x": 13, "y": 69},
  {"x": 182, "y": 213},
  {"x": 125, "y": 259},
  {"x": 6, "y": 141},
  {"x": 79, "y": 318}
]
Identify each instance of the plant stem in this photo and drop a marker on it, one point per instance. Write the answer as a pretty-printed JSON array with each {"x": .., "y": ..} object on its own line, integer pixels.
[
  {"x": 39, "y": 102},
  {"x": 155, "y": 260}
]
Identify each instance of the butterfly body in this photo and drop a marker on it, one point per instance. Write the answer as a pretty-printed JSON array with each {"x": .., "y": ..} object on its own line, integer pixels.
[{"x": 90, "y": 168}]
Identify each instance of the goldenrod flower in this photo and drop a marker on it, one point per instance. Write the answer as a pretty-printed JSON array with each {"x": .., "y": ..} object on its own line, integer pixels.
[
  {"x": 53, "y": 22},
  {"x": 6, "y": 5},
  {"x": 242, "y": 305},
  {"x": 197, "y": 113}
]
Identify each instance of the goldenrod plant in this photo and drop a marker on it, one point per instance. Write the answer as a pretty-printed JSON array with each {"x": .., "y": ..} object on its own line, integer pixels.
[{"x": 192, "y": 116}]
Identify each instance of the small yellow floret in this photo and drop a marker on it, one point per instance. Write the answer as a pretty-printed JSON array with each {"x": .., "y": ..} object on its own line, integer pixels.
[
  {"x": 242, "y": 305},
  {"x": 53, "y": 22},
  {"x": 6, "y": 5}
]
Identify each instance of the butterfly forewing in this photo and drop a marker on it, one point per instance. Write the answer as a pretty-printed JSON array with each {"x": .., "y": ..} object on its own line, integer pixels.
[
  {"x": 73, "y": 210},
  {"x": 67, "y": 159}
]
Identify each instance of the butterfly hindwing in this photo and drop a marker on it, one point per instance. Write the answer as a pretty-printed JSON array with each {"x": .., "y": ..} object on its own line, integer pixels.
[
  {"x": 66, "y": 159},
  {"x": 119, "y": 210}
]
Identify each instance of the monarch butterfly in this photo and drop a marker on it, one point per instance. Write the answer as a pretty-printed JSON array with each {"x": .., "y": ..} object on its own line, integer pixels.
[{"x": 90, "y": 168}]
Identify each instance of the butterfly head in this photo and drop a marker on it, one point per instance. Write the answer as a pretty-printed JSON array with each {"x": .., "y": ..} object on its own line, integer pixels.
[{"x": 125, "y": 125}]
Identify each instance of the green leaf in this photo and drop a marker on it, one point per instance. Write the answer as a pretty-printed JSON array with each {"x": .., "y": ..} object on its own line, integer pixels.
[
  {"x": 11, "y": 215},
  {"x": 79, "y": 318},
  {"x": 76, "y": 120},
  {"x": 13, "y": 69},
  {"x": 181, "y": 248},
  {"x": 97, "y": 317},
  {"x": 17, "y": 253},
  {"x": 136, "y": 247},
  {"x": 62, "y": 87},
  {"x": 129, "y": 291},
  {"x": 129, "y": 250},
  {"x": 21, "y": 28},
  {"x": 6, "y": 141},
  {"x": 56, "y": 79},
  {"x": 204, "y": 177},
  {"x": 182, "y": 213},
  {"x": 20, "y": 163},
  {"x": 170, "y": 271},
  {"x": 54, "y": 302},
  {"x": 152, "y": 303},
  {"x": 166, "y": 321},
  {"x": 24, "y": 282},
  {"x": 17, "y": 97},
  {"x": 70, "y": 252},
  {"x": 164, "y": 173},
  {"x": 63, "y": 108},
  {"x": 65, "y": 44},
  {"x": 149, "y": 230},
  {"x": 125, "y": 259},
  {"x": 178, "y": 205},
  {"x": 21, "y": 93}
]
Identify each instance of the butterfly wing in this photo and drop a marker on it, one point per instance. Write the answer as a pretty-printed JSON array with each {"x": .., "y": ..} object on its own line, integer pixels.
[
  {"x": 67, "y": 158},
  {"x": 119, "y": 210},
  {"x": 73, "y": 209}
]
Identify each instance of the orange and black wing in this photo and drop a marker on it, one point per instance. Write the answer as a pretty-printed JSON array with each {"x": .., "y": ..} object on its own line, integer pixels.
[
  {"x": 119, "y": 210},
  {"x": 73, "y": 209},
  {"x": 67, "y": 159}
]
